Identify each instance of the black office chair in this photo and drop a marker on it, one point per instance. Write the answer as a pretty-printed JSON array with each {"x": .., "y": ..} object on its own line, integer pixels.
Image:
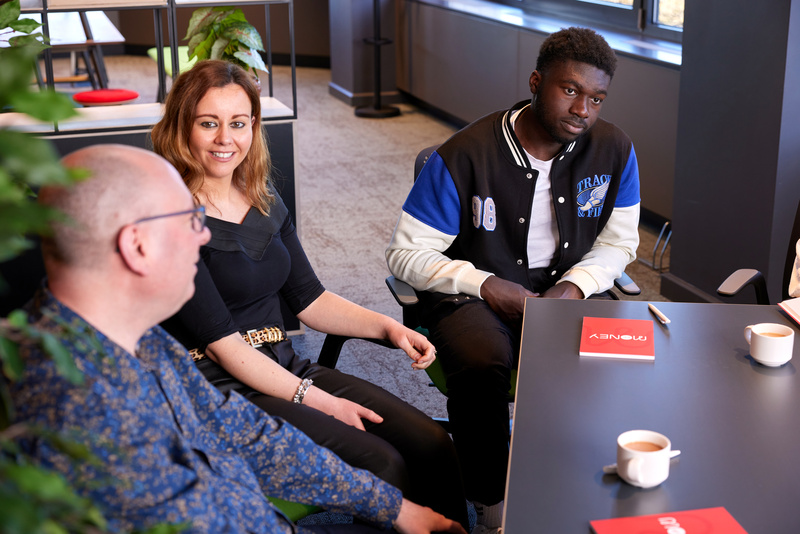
[{"x": 742, "y": 278}]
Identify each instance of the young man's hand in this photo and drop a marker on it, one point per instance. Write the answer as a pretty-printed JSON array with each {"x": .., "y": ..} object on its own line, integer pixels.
[{"x": 507, "y": 299}]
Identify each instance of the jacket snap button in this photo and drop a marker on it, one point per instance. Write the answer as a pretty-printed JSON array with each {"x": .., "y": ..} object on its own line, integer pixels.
[
  {"x": 519, "y": 262},
  {"x": 529, "y": 176},
  {"x": 566, "y": 245},
  {"x": 560, "y": 200},
  {"x": 521, "y": 219},
  {"x": 553, "y": 273}
]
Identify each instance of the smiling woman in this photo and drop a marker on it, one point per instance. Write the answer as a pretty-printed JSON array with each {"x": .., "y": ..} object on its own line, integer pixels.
[
  {"x": 220, "y": 140},
  {"x": 233, "y": 325}
]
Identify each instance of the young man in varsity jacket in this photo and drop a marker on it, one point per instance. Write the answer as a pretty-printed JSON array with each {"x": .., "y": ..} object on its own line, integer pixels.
[{"x": 538, "y": 200}]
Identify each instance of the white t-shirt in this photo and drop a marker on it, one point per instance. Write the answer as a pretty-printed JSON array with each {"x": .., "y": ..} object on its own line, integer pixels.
[{"x": 543, "y": 229}]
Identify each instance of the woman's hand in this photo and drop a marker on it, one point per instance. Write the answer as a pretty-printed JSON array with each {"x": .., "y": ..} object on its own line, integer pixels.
[
  {"x": 346, "y": 411},
  {"x": 332, "y": 314},
  {"x": 413, "y": 343},
  {"x": 266, "y": 375}
]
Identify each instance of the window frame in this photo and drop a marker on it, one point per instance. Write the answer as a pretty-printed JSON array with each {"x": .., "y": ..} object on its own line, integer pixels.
[{"x": 598, "y": 13}]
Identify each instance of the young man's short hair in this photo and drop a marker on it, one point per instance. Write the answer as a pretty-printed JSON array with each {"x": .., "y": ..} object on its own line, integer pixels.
[{"x": 577, "y": 44}]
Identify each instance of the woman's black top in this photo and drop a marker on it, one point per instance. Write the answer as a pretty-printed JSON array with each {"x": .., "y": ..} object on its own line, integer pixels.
[{"x": 243, "y": 272}]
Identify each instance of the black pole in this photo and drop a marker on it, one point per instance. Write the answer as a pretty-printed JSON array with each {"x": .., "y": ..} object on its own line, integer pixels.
[{"x": 377, "y": 110}]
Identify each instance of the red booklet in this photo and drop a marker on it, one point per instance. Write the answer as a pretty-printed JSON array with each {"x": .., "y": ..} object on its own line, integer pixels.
[
  {"x": 702, "y": 521},
  {"x": 617, "y": 338},
  {"x": 792, "y": 307}
]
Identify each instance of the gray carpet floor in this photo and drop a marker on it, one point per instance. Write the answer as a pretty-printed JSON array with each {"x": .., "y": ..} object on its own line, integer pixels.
[{"x": 352, "y": 177}]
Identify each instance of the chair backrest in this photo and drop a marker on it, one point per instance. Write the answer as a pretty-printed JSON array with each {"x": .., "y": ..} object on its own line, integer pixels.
[{"x": 422, "y": 158}]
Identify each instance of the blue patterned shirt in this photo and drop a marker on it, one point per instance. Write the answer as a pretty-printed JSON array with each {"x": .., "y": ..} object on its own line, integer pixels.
[{"x": 172, "y": 447}]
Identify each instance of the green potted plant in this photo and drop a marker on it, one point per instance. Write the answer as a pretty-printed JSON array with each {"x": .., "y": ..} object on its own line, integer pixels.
[{"x": 224, "y": 33}]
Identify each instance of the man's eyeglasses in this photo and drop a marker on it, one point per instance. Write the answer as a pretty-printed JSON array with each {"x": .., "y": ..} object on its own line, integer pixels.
[{"x": 198, "y": 217}]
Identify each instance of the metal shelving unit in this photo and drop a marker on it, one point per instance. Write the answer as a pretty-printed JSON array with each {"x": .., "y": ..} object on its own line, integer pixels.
[{"x": 44, "y": 7}]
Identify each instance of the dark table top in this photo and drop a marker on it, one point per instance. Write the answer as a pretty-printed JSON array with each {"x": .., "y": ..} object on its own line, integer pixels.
[{"x": 736, "y": 422}]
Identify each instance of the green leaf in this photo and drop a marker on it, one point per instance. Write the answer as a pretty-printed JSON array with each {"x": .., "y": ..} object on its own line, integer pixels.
[
  {"x": 11, "y": 247},
  {"x": 198, "y": 21},
  {"x": 218, "y": 48},
  {"x": 77, "y": 174},
  {"x": 202, "y": 19},
  {"x": 17, "y": 71},
  {"x": 17, "y": 319},
  {"x": 251, "y": 59},
  {"x": 44, "y": 105},
  {"x": 72, "y": 447},
  {"x": 38, "y": 482},
  {"x": 35, "y": 42},
  {"x": 19, "y": 150},
  {"x": 12, "y": 363},
  {"x": 245, "y": 34},
  {"x": 9, "y": 12},
  {"x": 194, "y": 41},
  {"x": 18, "y": 222},
  {"x": 62, "y": 358},
  {"x": 232, "y": 15},
  {"x": 12, "y": 238},
  {"x": 24, "y": 25},
  {"x": 51, "y": 527},
  {"x": 10, "y": 190},
  {"x": 203, "y": 49}
]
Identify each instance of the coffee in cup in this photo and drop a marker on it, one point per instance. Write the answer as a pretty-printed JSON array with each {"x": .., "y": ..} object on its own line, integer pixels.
[
  {"x": 643, "y": 458},
  {"x": 645, "y": 446},
  {"x": 771, "y": 344}
]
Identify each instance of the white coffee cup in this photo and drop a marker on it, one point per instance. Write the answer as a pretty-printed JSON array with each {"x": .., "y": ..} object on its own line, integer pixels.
[
  {"x": 770, "y": 343},
  {"x": 643, "y": 458}
]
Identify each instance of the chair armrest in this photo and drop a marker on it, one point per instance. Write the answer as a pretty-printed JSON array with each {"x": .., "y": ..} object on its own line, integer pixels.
[
  {"x": 332, "y": 348},
  {"x": 744, "y": 277},
  {"x": 626, "y": 284},
  {"x": 403, "y": 293}
]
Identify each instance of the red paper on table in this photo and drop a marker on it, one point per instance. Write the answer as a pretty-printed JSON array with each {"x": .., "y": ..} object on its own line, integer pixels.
[
  {"x": 701, "y": 521},
  {"x": 617, "y": 338},
  {"x": 792, "y": 307}
]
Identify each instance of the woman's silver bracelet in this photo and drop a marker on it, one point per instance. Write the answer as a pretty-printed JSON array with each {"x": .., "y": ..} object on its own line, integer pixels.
[{"x": 300, "y": 394}]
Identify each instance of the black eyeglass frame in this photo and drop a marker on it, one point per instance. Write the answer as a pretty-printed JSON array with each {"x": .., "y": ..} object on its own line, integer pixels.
[{"x": 198, "y": 217}]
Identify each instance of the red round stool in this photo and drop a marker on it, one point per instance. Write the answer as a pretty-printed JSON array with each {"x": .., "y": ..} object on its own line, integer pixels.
[{"x": 105, "y": 97}]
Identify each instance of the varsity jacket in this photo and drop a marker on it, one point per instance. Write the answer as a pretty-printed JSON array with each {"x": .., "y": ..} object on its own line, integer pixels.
[{"x": 467, "y": 215}]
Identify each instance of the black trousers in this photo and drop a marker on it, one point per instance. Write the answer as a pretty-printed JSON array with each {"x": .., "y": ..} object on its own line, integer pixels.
[
  {"x": 408, "y": 449},
  {"x": 477, "y": 351}
]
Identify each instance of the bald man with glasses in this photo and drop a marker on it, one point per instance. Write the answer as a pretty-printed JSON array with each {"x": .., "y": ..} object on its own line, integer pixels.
[{"x": 171, "y": 448}]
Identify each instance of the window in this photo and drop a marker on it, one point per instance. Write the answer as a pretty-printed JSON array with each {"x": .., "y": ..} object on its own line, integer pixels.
[
  {"x": 669, "y": 13},
  {"x": 662, "y": 19}
]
